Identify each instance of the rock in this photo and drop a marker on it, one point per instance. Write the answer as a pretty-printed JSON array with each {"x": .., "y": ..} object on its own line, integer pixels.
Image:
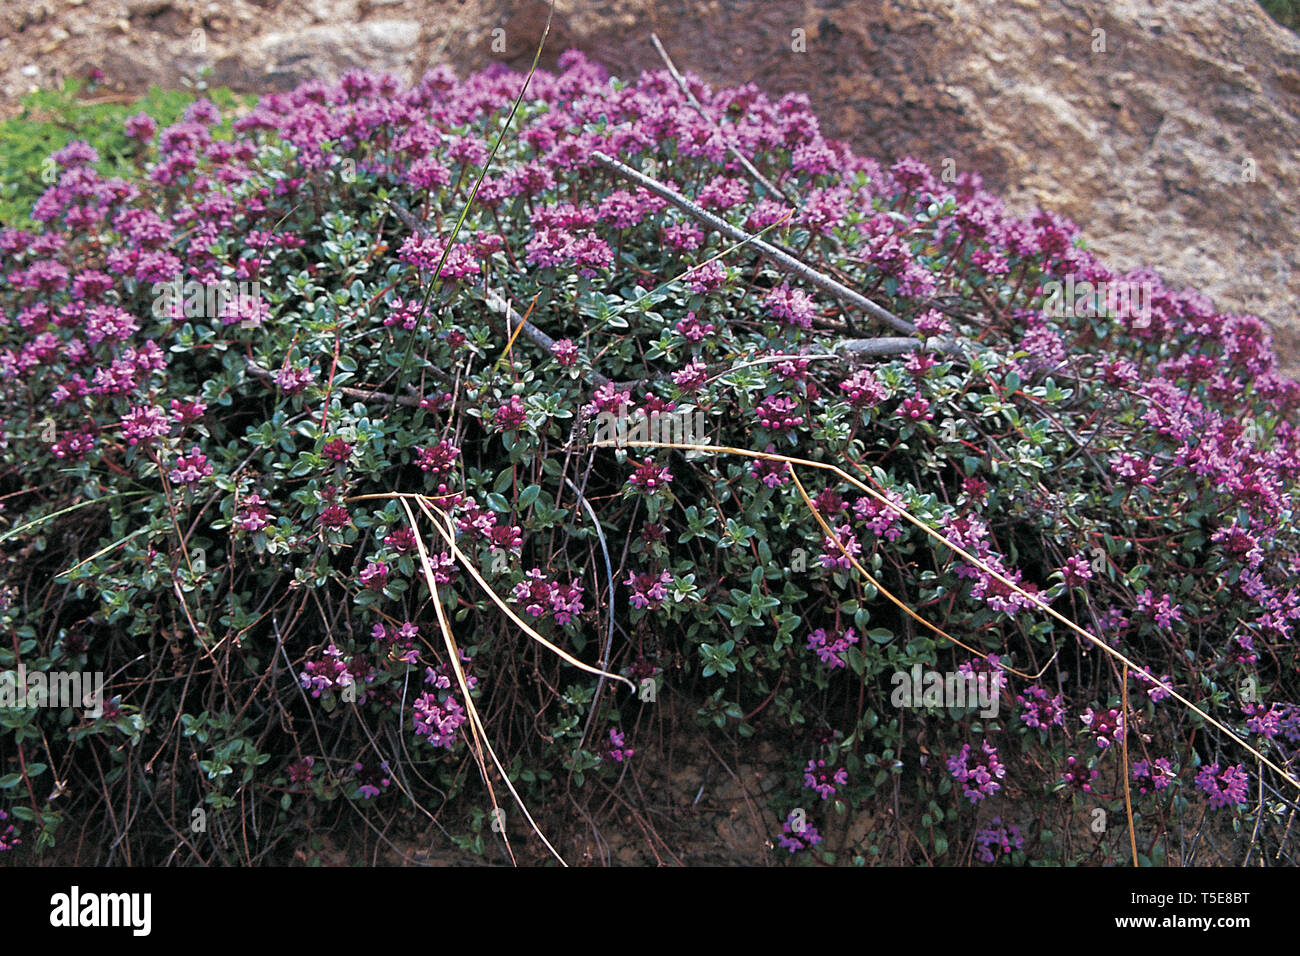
[
  {"x": 285, "y": 59},
  {"x": 147, "y": 8}
]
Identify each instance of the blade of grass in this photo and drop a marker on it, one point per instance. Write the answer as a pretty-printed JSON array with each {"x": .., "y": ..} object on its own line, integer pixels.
[
  {"x": 103, "y": 551},
  {"x": 436, "y": 282},
  {"x": 63, "y": 511}
]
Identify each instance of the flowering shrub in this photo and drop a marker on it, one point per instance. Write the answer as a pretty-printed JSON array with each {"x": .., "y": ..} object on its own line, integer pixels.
[{"x": 202, "y": 504}]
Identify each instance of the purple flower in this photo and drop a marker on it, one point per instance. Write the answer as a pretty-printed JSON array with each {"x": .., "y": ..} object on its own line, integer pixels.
[
  {"x": 510, "y": 415},
  {"x": 1153, "y": 776},
  {"x": 294, "y": 380},
  {"x": 141, "y": 126},
  {"x": 691, "y": 377},
  {"x": 831, "y": 651},
  {"x": 337, "y": 450},
  {"x": 145, "y": 423},
  {"x": 1077, "y": 571},
  {"x": 648, "y": 590},
  {"x": 1106, "y": 726},
  {"x": 1158, "y": 690},
  {"x": 1264, "y": 722},
  {"x": 651, "y": 478},
  {"x": 863, "y": 389},
  {"x": 816, "y": 777},
  {"x": 835, "y": 557},
  {"x": 191, "y": 469},
  {"x": 1223, "y": 789},
  {"x": 437, "y": 713},
  {"x": 996, "y": 841},
  {"x": 1164, "y": 611},
  {"x": 375, "y": 575},
  {"x": 776, "y": 413},
  {"x": 791, "y": 305},
  {"x": 932, "y": 323},
  {"x": 8, "y": 835},
  {"x": 253, "y": 514},
  {"x": 1040, "y": 712},
  {"x": 327, "y": 673},
  {"x": 797, "y": 834},
  {"x": 300, "y": 771},
  {"x": 693, "y": 329},
  {"x": 371, "y": 780},
  {"x": 615, "y": 748},
  {"x": 425, "y": 252},
  {"x": 916, "y": 408},
  {"x": 540, "y": 596},
  {"x": 334, "y": 515},
  {"x": 770, "y": 473},
  {"x": 565, "y": 352},
  {"x": 979, "y": 778},
  {"x": 437, "y": 458},
  {"x": 400, "y": 540},
  {"x": 1077, "y": 776}
]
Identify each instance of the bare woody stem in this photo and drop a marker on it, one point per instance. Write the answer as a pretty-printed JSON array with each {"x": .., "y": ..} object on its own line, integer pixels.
[
  {"x": 690, "y": 97},
  {"x": 892, "y": 345},
  {"x": 785, "y": 260}
]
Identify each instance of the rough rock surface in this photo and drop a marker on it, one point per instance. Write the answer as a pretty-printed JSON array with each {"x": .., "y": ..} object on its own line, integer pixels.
[{"x": 1172, "y": 137}]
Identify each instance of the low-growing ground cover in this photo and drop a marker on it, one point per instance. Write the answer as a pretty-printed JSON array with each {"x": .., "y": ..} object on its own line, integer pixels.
[{"x": 312, "y": 450}]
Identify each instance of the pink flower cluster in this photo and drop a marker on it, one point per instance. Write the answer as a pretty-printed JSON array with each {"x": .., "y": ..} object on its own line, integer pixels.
[
  {"x": 437, "y": 458},
  {"x": 1228, "y": 788},
  {"x": 437, "y": 712},
  {"x": 253, "y": 515},
  {"x": 864, "y": 389},
  {"x": 1106, "y": 726},
  {"x": 326, "y": 674},
  {"x": 978, "y": 775},
  {"x": 1040, "y": 711},
  {"x": 650, "y": 478},
  {"x": 397, "y": 643},
  {"x": 615, "y": 747},
  {"x": 797, "y": 834},
  {"x": 191, "y": 469},
  {"x": 830, "y": 651},
  {"x": 1153, "y": 776},
  {"x": 817, "y": 777},
  {"x": 996, "y": 841},
  {"x": 777, "y": 413},
  {"x": 971, "y": 533},
  {"x": 648, "y": 590},
  {"x": 541, "y": 597}
]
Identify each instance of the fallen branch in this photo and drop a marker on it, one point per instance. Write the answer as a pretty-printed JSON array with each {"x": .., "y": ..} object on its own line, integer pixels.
[
  {"x": 785, "y": 260},
  {"x": 892, "y": 345},
  {"x": 514, "y": 321}
]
